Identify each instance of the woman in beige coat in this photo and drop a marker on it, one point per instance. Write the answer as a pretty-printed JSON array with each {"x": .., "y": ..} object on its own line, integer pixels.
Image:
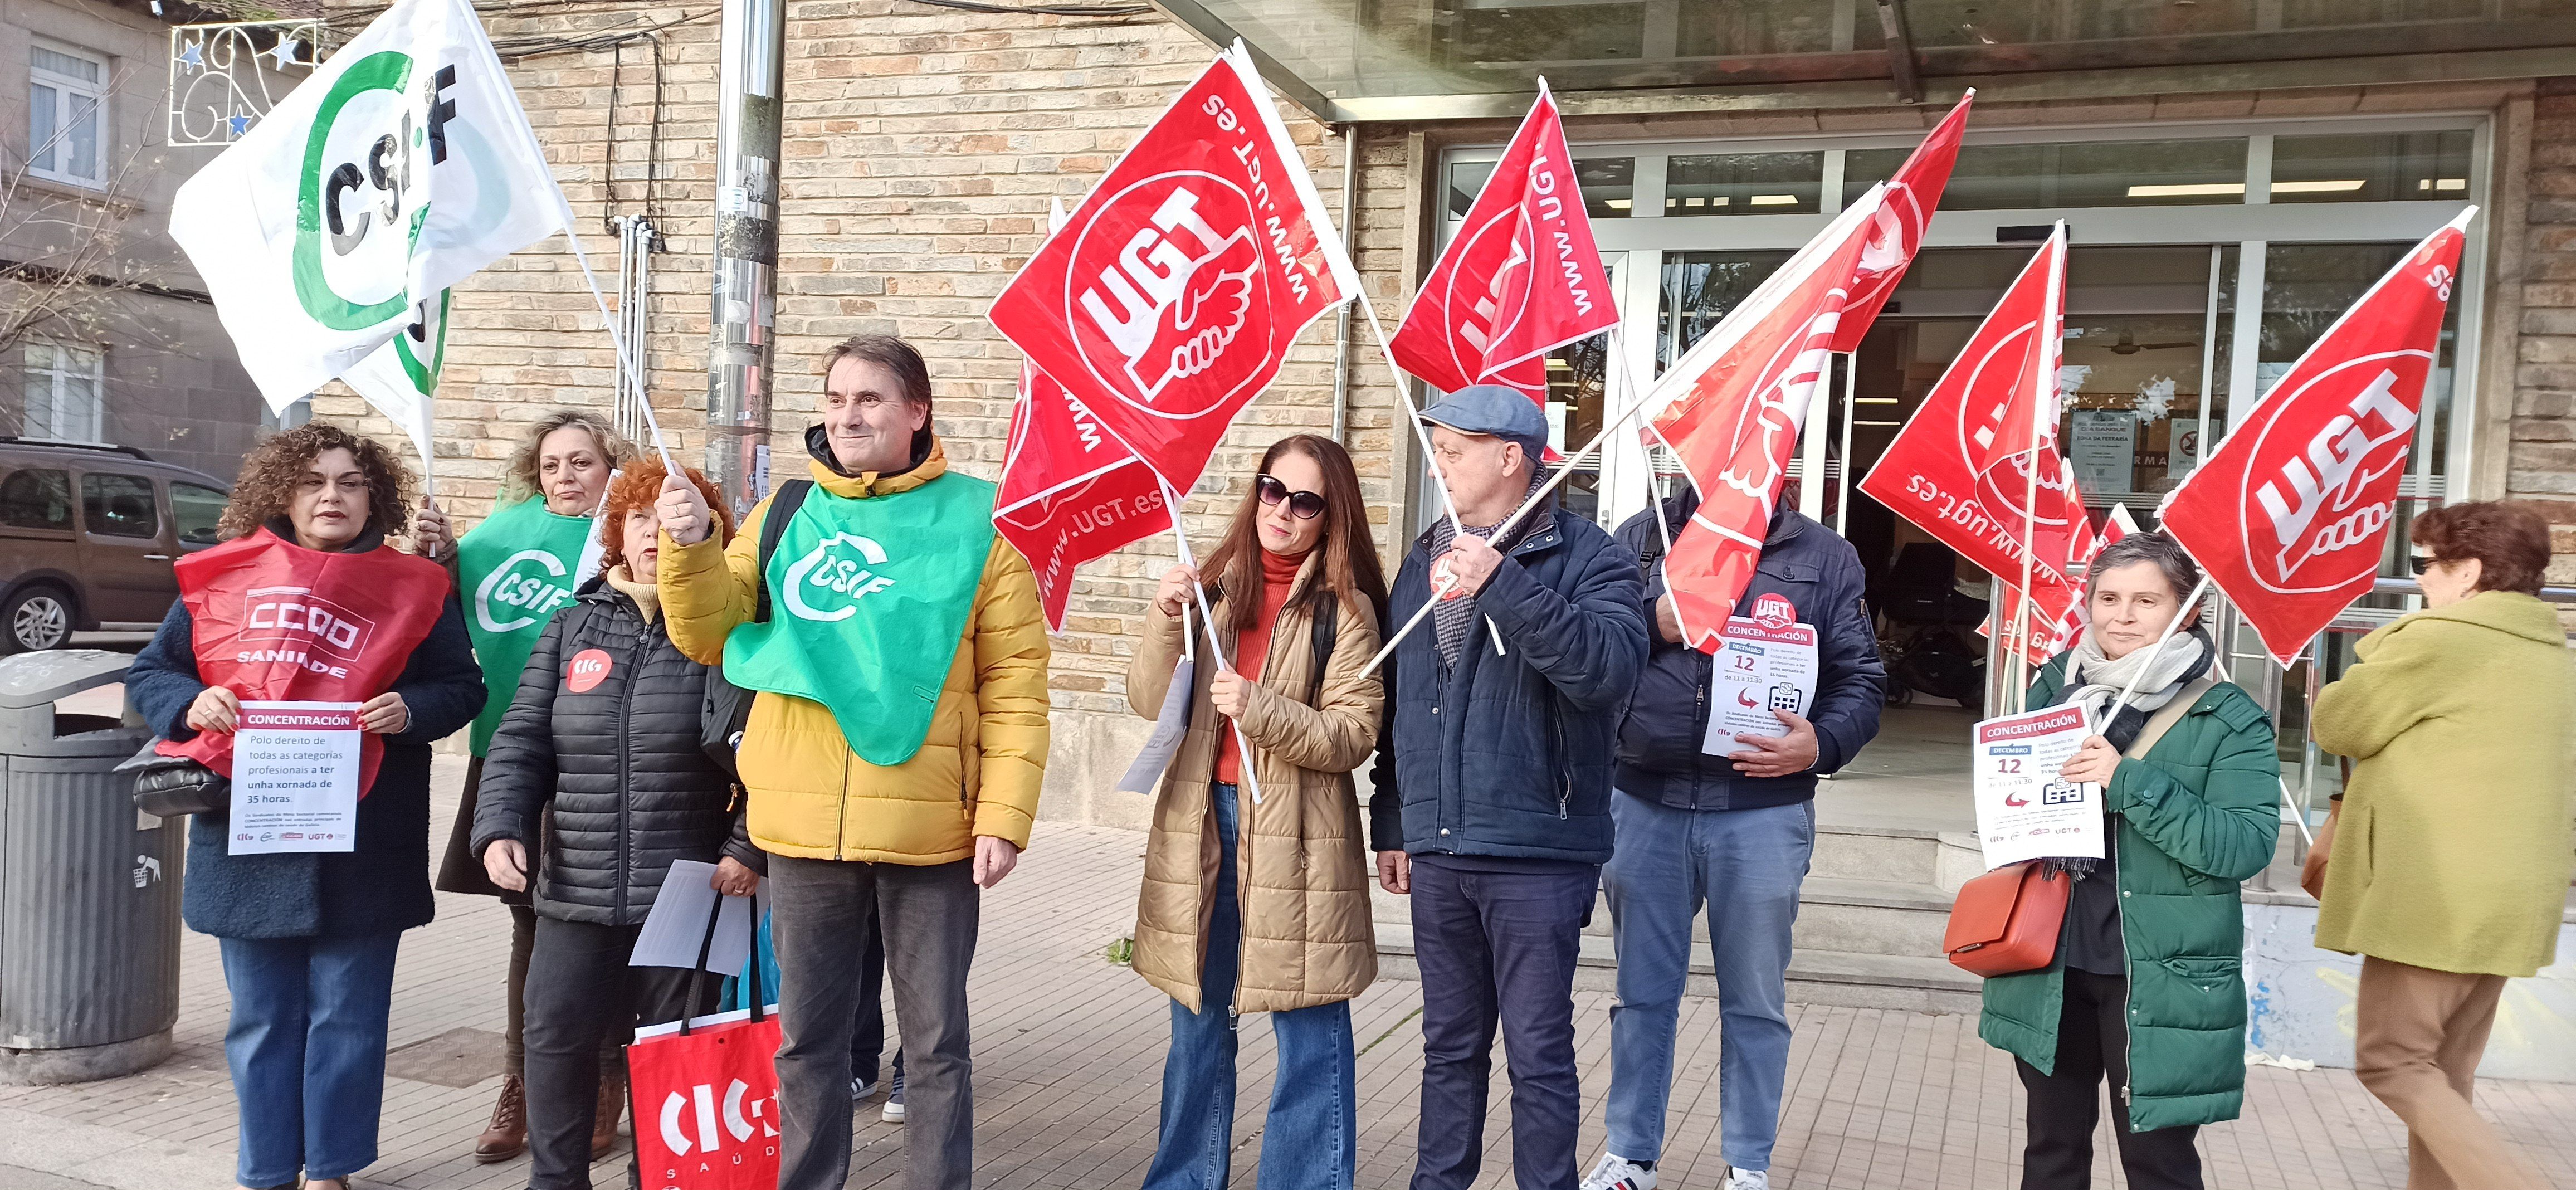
[{"x": 1260, "y": 903}]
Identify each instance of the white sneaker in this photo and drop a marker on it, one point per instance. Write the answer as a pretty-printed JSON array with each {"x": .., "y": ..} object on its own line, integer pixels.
[
  {"x": 1746, "y": 1179},
  {"x": 893, "y": 1113},
  {"x": 1614, "y": 1172}
]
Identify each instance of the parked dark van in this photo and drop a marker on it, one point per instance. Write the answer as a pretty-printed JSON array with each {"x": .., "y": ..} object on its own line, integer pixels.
[{"x": 87, "y": 537}]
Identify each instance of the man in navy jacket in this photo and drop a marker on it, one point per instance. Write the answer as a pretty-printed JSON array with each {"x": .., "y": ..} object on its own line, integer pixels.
[
  {"x": 1493, "y": 801},
  {"x": 1734, "y": 830}
]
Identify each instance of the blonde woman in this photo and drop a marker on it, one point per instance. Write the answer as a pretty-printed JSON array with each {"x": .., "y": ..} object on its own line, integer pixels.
[{"x": 514, "y": 572}]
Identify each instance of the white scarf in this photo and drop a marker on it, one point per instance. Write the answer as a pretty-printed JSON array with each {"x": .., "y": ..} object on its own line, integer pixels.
[{"x": 2094, "y": 681}]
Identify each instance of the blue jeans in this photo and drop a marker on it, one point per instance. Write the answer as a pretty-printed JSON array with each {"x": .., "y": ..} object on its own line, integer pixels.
[
  {"x": 1498, "y": 948},
  {"x": 1746, "y": 865},
  {"x": 307, "y": 1051},
  {"x": 1312, "y": 1139}
]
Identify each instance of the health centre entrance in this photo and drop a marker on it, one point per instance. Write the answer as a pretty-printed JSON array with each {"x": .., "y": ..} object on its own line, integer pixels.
[{"x": 2171, "y": 227}]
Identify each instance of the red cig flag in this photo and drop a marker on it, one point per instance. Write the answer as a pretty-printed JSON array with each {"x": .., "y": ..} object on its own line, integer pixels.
[
  {"x": 1170, "y": 298},
  {"x": 2290, "y": 516},
  {"x": 1520, "y": 278}
]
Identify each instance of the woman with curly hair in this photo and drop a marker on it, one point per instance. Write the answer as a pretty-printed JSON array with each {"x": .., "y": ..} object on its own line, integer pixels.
[
  {"x": 514, "y": 572},
  {"x": 305, "y": 602},
  {"x": 601, "y": 755}
]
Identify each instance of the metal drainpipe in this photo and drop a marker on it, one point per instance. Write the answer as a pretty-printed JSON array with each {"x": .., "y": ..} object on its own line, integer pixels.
[
  {"x": 1342, "y": 322},
  {"x": 741, "y": 329}
]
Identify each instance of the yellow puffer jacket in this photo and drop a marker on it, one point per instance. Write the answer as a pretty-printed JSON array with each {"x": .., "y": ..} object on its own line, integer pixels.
[{"x": 811, "y": 797}]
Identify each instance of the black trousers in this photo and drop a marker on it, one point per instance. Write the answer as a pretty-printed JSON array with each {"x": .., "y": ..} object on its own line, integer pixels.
[
  {"x": 580, "y": 996},
  {"x": 2092, "y": 1045}
]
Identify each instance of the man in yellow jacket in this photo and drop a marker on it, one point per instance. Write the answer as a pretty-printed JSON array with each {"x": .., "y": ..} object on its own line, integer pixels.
[{"x": 895, "y": 747}]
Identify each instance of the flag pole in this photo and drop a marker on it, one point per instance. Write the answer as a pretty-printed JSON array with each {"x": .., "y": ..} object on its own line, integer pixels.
[
  {"x": 626, "y": 360},
  {"x": 2042, "y": 408},
  {"x": 1207, "y": 620},
  {"x": 1413, "y": 414}
]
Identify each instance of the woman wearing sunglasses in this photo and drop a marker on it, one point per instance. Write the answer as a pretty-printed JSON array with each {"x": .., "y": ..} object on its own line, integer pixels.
[{"x": 1260, "y": 902}]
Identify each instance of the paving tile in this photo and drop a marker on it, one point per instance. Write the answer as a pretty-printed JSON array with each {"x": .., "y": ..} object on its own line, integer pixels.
[{"x": 1069, "y": 1052}]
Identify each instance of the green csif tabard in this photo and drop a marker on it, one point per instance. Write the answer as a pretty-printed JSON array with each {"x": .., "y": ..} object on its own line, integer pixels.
[
  {"x": 516, "y": 570},
  {"x": 869, "y": 599}
]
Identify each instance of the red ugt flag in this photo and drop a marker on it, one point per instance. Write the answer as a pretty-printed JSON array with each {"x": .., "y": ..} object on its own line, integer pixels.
[
  {"x": 2025, "y": 426},
  {"x": 1912, "y": 195},
  {"x": 1520, "y": 279},
  {"x": 1171, "y": 297},
  {"x": 2290, "y": 516},
  {"x": 1734, "y": 404},
  {"x": 1934, "y": 475},
  {"x": 1070, "y": 492}
]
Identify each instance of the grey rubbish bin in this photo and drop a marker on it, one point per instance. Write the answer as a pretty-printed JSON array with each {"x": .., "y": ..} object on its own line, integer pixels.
[{"x": 89, "y": 887}]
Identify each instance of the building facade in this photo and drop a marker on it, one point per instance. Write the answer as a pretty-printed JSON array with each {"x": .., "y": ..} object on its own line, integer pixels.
[
  {"x": 106, "y": 332},
  {"x": 2233, "y": 175}
]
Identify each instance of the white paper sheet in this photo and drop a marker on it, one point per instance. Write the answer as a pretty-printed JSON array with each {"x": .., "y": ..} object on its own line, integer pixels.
[
  {"x": 1758, "y": 668},
  {"x": 295, "y": 778},
  {"x": 678, "y": 923},
  {"x": 2024, "y": 810}
]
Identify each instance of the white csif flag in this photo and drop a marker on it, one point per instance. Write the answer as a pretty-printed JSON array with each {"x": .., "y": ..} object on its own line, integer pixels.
[
  {"x": 400, "y": 167},
  {"x": 401, "y": 378}
]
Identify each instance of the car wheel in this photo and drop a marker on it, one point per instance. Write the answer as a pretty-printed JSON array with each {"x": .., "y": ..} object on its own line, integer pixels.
[{"x": 35, "y": 618}]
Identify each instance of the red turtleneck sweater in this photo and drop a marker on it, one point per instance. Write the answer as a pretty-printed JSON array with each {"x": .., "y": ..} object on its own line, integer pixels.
[{"x": 1278, "y": 573}]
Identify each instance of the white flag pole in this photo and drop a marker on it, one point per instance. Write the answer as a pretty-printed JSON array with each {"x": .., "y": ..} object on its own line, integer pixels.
[
  {"x": 627, "y": 361},
  {"x": 1207, "y": 619}
]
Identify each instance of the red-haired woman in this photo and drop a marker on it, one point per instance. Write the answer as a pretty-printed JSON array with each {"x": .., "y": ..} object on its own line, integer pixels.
[
  {"x": 1264, "y": 907},
  {"x": 602, "y": 745},
  {"x": 2449, "y": 858}
]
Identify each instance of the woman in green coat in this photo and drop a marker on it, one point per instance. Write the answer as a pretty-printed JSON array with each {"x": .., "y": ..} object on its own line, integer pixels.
[
  {"x": 2147, "y": 988},
  {"x": 2446, "y": 862}
]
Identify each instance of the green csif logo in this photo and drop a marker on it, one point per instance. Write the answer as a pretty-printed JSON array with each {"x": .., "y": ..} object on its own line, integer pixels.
[
  {"x": 362, "y": 196},
  {"x": 524, "y": 589},
  {"x": 831, "y": 569}
]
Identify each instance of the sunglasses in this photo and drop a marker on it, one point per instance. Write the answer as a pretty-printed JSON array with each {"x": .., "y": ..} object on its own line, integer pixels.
[
  {"x": 2420, "y": 563},
  {"x": 1305, "y": 505}
]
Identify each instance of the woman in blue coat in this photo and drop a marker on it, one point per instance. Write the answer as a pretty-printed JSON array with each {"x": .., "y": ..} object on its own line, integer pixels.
[{"x": 308, "y": 938}]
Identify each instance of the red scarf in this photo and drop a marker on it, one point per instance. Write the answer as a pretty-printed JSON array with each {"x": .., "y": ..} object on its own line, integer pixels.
[{"x": 274, "y": 621}]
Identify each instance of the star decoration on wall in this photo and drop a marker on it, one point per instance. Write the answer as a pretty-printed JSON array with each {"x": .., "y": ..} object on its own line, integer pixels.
[{"x": 193, "y": 56}]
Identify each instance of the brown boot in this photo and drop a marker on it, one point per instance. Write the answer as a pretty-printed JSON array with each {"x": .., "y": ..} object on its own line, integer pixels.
[
  {"x": 612, "y": 1104},
  {"x": 507, "y": 1136}
]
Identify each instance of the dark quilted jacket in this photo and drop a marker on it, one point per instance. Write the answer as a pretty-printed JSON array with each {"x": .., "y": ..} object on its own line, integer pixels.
[{"x": 614, "y": 769}]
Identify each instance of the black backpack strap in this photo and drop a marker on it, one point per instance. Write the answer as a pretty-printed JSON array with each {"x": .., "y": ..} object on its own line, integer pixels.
[
  {"x": 773, "y": 525},
  {"x": 1327, "y": 627}
]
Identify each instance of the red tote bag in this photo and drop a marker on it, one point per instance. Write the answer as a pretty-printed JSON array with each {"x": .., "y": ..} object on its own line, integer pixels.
[{"x": 706, "y": 1096}]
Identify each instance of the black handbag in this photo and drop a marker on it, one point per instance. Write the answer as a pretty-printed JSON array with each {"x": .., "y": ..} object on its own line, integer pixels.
[{"x": 172, "y": 786}]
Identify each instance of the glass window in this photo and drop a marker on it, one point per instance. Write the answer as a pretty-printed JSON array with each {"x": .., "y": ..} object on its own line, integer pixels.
[
  {"x": 66, "y": 114},
  {"x": 2371, "y": 167},
  {"x": 1609, "y": 185},
  {"x": 1745, "y": 184},
  {"x": 1466, "y": 178},
  {"x": 195, "y": 509},
  {"x": 2089, "y": 174},
  {"x": 1698, "y": 290},
  {"x": 119, "y": 506},
  {"x": 62, "y": 392},
  {"x": 36, "y": 498}
]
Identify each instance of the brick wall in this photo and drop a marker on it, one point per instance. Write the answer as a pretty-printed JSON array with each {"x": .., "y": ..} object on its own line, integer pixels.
[
  {"x": 921, "y": 149},
  {"x": 2542, "y": 463}
]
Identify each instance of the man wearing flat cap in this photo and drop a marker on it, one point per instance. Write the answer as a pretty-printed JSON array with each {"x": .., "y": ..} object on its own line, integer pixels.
[{"x": 1492, "y": 807}]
